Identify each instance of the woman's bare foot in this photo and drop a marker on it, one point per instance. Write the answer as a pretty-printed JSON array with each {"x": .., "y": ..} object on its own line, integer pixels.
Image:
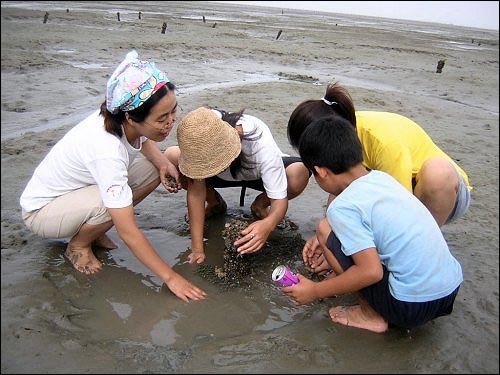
[
  {"x": 105, "y": 242},
  {"x": 355, "y": 316},
  {"x": 83, "y": 259}
]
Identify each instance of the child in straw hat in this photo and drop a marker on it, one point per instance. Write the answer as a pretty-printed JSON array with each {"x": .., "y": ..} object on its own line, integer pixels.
[{"x": 220, "y": 149}]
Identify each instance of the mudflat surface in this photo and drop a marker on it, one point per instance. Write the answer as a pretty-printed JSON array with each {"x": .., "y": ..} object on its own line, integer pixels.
[{"x": 55, "y": 319}]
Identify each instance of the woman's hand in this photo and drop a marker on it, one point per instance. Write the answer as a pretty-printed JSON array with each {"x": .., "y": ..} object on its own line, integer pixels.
[
  {"x": 167, "y": 170},
  {"x": 169, "y": 176},
  {"x": 123, "y": 219},
  {"x": 184, "y": 289}
]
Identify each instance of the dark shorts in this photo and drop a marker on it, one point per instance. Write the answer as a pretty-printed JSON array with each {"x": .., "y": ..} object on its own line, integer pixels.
[
  {"x": 398, "y": 313},
  {"x": 217, "y": 182}
]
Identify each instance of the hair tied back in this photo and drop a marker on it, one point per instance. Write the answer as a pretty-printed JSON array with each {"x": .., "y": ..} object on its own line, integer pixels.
[{"x": 328, "y": 102}]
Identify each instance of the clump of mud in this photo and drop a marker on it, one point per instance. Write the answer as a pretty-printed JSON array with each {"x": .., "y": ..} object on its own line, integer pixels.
[
  {"x": 283, "y": 247},
  {"x": 298, "y": 77},
  {"x": 235, "y": 267}
]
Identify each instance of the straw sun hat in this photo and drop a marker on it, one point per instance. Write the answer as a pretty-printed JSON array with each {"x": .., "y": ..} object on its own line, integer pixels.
[{"x": 208, "y": 145}]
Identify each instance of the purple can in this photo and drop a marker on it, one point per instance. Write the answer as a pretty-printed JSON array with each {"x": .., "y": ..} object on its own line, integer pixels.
[{"x": 283, "y": 276}]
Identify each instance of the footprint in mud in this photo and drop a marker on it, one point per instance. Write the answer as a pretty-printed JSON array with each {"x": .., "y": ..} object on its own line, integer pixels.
[
  {"x": 265, "y": 349},
  {"x": 19, "y": 106}
]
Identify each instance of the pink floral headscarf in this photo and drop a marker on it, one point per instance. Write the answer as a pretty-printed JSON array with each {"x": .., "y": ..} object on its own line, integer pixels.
[{"x": 132, "y": 83}]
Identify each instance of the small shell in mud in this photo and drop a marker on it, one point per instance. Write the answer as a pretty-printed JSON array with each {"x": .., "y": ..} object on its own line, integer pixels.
[{"x": 219, "y": 272}]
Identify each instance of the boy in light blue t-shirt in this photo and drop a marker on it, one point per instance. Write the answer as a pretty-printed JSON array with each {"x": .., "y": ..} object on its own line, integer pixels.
[{"x": 378, "y": 238}]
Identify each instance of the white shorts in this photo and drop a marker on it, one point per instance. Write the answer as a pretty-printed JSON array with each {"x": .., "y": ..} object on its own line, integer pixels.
[
  {"x": 463, "y": 200},
  {"x": 65, "y": 215}
]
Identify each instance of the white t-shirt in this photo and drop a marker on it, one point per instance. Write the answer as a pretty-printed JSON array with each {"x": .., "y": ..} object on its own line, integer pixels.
[
  {"x": 262, "y": 158},
  {"x": 86, "y": 155}
]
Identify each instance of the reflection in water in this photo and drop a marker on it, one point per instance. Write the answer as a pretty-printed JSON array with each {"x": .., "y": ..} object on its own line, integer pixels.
[
  {"x": 163, "y": 333},
  {"x": 122, "y": 309},
  {"x": 250, "y": 327},
  {"x": 125, "y": 300}
]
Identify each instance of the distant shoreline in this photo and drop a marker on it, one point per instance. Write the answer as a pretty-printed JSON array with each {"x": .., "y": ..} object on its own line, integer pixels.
[{"x": 488, "y": 9}]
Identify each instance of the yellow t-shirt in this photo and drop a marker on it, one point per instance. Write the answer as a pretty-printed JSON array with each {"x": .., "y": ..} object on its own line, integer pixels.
[{"x": 396, "y": 145}]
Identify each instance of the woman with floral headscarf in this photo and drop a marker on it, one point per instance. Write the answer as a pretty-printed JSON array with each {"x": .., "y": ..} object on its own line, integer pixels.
[{"x": 93, "y": 177}]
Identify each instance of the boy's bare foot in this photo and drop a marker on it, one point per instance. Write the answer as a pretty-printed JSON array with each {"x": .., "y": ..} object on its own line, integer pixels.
[
  {"x": 83, "y": 259},
  {"x": 355, "y": 316},
  {"x": 105, "y": 242}
]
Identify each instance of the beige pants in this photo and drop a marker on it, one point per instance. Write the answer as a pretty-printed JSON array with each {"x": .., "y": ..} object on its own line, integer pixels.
[{"x": 65, "y": 215}]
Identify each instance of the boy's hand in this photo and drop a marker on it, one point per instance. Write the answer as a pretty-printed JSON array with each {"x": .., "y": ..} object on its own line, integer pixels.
[
  {"x": 312, "y": 252},
  {"x": 303, "y": 292}
]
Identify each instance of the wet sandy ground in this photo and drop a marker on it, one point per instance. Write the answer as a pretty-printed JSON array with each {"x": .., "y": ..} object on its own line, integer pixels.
[{"x": 55, "y": 319}]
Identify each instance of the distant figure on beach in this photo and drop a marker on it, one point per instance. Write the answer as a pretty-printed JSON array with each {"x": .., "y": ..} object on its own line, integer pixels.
[
  {"x": 396, "y": 145},
  {"x": 94, "y": 176},
  {"x": 379, "y": 239},
  {"x": 219, "y": 149},
  {"x": 440, "y": 66}
]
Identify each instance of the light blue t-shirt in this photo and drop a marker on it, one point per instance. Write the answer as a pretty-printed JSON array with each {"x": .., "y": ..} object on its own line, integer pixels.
[{"x": 377, "y": 211}]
